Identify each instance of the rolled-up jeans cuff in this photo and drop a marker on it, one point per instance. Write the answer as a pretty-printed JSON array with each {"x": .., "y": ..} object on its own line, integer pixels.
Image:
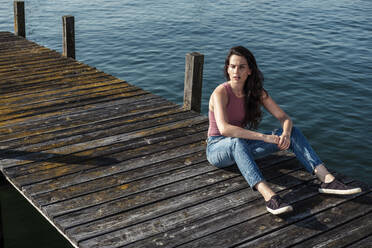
[{"x": 253, "y": 186}]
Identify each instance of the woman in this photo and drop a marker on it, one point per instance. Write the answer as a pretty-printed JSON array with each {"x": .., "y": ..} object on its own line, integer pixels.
[{"x": 235, "y": 111}]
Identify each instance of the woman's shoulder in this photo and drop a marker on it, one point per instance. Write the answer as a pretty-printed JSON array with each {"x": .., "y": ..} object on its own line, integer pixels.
[
  {"x": 220, "y": 94},
  {"x": 221, "y": 89}
]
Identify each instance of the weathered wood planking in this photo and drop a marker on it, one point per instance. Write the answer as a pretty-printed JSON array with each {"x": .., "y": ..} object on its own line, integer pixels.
[{"x": 111, "y": 165}]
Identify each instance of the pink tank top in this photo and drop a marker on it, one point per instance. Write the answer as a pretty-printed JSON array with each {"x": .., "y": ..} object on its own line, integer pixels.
[{"x": 235, "y": 112}]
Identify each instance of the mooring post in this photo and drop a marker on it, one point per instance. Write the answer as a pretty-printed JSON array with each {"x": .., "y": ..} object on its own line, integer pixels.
[
  {"x": 19, "y": 19},
  {"x": 193, "y": 81},
  {"x": 68, "y": 36}
]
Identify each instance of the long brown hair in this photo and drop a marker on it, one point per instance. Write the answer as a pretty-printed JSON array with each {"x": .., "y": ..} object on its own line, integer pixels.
[{"x": 253, "y": 87}]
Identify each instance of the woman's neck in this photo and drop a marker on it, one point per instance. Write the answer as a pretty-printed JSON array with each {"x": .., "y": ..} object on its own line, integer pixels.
[{"x": 237, "y": 88}]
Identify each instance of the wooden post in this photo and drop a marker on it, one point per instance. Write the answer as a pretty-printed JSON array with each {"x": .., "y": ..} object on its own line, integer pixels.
[
  {"x": 19, "y": 19},
  {"x": 193, "y": 81},
  {"x": 68, "y": 36}
]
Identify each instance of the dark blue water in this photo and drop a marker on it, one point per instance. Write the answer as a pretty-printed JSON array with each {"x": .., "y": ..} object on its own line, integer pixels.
[{"x": 316, "y": 56}]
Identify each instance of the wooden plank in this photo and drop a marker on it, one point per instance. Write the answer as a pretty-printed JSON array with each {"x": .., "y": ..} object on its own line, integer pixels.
[
  {"x": 112, "y": 179},
  {"x": 26, "y": 102},
  {"x": 264, "y": 226},
  {"x": 47, "y": 75},
  {"x": 45, "y": 79},
  {"x": 30, "y": 53},
  {"x": 10, "y": 37},
  {"x": 9, "y": 50},
  {"x": 115, "y": 157},
  {"x": 156, "y": 160},
  {"x": 13, "y": 46},
  {"x": 122, "y": 190},
  {"x": 63, "y": 105},
  {"x": 211, "y": 227},
  {"x": 146, "y": 205},
  {"x": 51, "y": 74},
  {"x": 75, "y": 116},
  {"x": 204, "y": 226},
  {"x": 117, "y": 104},
  {"x": 183, "y": 217},
  {"x": 338, "y": 211},
  {"x": 82, "y": 115},
  {"x": 38, "y": 64},
  {"x": 16, "y": 42},
  {"x": 39, "y": 90},
  {"x": 363, "y": 243},
  {"x": 39, "y": 68},
  {"x": 34, "y": 82},
  {"x": 51, "y": 78},
  {"x": 100, "y": 147},
  {"x": 116, "y": 125},
  {"x": 343, "y": 235},
  {"x": 49, "y": 170},
  {"x": 97, "y": 82},
  {"x": 32, "y": 59},
  {"x": 17, "y": 71},
  {"x": 51, "y": 126},
  {"x": 26, "y": 179},
  {"x": 65, "y": 96},
  {"x": 29, "y": 59},
  {"x": 126, "y": 211},
  {"x": 108, "y": 130},
  {"x": 6, "y": 35}
]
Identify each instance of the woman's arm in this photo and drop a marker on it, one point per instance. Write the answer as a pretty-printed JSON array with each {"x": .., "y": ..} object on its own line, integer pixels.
[
  {"x": 284, "y": 119},
  {"x": 218, "y": 104}
]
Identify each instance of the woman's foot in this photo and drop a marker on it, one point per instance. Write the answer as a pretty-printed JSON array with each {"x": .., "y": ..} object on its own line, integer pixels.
[
  {"x": 338, "y": 188},
  {"x": 276, "y": 205}
]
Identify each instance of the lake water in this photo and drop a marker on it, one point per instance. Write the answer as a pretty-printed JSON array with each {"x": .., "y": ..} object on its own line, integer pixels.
[{"x": 316, "y": 56}]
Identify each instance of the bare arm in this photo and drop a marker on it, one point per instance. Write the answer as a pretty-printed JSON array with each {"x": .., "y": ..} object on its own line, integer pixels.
[{"x": 284, "y": 119}]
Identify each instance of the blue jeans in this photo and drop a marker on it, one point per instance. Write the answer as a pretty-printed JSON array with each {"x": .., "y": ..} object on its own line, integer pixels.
[{"x": 225, "y": 151}]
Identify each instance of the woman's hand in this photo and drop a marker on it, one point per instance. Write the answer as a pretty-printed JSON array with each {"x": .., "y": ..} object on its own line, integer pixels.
[
  {"x": 274, "y": 139},
  {"x": 284, "y": 141}
]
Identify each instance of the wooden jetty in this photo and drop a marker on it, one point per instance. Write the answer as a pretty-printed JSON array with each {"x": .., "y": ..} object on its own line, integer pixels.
[{"x": 111, "y": 165}]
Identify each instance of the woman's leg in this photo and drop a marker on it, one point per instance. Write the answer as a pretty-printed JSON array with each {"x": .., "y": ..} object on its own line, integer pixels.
[
  {"x": 307, "y": 156},
  {"x": 226, "y": 151},
  {"x": 265, "y": 190},
  {"x": 323, "y": 174},
  {"x": 303, "y": 151}
]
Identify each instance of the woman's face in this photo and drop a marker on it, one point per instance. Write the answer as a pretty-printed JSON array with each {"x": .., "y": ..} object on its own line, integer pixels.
[{"x": 238, "y": 69}]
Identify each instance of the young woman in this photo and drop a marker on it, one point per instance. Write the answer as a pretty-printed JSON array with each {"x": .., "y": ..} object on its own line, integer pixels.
[{"x": 234, "y": 114}]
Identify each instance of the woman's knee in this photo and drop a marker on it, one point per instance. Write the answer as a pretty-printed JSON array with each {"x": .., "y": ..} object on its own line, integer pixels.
[
  {"x": 296, "y": 132},
  {"x": 241, "y": 146},
  {"x": 295, "y": 129},
  {"x": 239, "y": 143}
]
